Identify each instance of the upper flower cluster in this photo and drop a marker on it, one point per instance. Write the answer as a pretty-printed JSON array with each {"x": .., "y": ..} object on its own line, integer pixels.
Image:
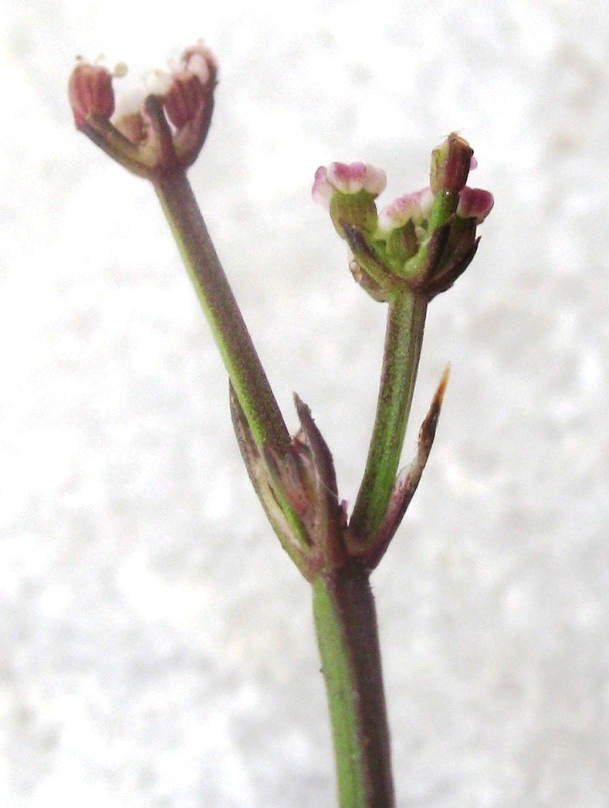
[
  {"x": 424, "y": 239},
  {"x": 167, "y": 131}
]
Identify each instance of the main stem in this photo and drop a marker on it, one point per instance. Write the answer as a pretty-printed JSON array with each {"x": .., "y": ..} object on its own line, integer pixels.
[
  {"x": 240, "y": 358},
  {"x": 347, "y": 634},
  {"x": 403, "y": 341},
  {"x": 345, "y": 616}
]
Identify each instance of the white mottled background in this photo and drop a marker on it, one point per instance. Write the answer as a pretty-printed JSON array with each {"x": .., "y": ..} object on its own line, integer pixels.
[{"x": 156, "y": 646}]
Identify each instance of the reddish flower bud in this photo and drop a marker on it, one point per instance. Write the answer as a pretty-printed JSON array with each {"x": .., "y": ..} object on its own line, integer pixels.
[
  {"x": 192, "y": 85},
  {"x": 90, "y": 92},
  {"x": 184, "y": 98},
  {"x": 450, "y": 164}
]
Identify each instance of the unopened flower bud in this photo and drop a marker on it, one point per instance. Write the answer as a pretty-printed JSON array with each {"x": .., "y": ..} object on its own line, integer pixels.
[
  {"x": 450, "y": 164},
  {"x": 184, "y": 98},
  {"x": 90, "y": 92},
  {"x": 192, "y": 85}
]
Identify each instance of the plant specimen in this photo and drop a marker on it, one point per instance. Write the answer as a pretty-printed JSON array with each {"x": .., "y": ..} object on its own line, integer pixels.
[{"x": 403, "y": 256}]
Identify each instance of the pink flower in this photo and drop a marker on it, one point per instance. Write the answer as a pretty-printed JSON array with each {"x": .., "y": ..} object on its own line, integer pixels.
[
  {"x": 413, "y": 207},
  {"x": 346, "y": 179}
]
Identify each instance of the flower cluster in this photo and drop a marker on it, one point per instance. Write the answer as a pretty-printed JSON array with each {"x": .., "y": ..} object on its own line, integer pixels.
[
  {"x": 164, "y": 133},
  {"x": 424, "y": 239}
]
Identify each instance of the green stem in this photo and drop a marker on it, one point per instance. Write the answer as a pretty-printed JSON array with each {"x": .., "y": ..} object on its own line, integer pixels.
[
  {"x": 403, "y": 340},
  {"x": 347, "y": 634},
  {"x": 240, "y": 358}
]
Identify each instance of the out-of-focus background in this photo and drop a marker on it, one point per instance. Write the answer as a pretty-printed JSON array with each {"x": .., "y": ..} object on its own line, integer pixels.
[{"x": 156, "y": 644}]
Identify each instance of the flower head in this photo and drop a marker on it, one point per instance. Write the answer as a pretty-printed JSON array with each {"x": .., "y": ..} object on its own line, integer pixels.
[
  {"x": 424, "y": 239},
  {"x": 166, "y": 130}
]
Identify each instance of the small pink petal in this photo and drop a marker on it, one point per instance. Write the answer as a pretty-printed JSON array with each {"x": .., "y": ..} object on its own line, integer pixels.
[
  {"x": 322, "y": 190},
  {"x": 347, "y": 178},
  {"x": 413, "y": 207},
  {"x": 350, "y": 178},
  {"x": 375, "y": 180},
  {"x": 475, "y": 203}
]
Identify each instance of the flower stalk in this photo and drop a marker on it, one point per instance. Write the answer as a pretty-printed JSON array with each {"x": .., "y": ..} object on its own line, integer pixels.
[
  {"x": 241, "y": 360},
  {"x": 403, "y": 343}
]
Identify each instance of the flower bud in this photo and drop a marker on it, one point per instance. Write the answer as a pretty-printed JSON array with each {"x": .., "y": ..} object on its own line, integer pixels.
[
  {"x": 450, "y": 164},
  {"x": 90, "y": 92},
  {"x": 192, "y": 85},
  {"x": 413, "y": 207},
  {"x": 183, "y": 99}
]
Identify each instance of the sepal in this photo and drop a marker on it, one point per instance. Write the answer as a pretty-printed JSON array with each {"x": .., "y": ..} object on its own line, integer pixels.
[
  {"x": 298, "y": 492},
  {"x": 407, "y": 481},
  {"x": 282, "y": 517}
]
